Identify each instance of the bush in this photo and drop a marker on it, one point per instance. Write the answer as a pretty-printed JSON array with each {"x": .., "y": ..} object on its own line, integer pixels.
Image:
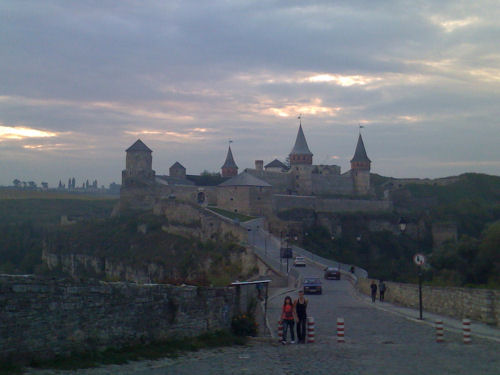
[{"x": 244, "y": 325}]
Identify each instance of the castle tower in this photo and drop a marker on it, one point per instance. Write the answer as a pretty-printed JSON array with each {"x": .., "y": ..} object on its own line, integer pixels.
[
  {"x": 360, "y": 169},
  {"x": 229, "y": 169},
  {"x": 138, "y": 164},
  {"x": 301, "y": 164},
  {"x": 177, "y": 170},
  {"x": 300, "y": 153}
]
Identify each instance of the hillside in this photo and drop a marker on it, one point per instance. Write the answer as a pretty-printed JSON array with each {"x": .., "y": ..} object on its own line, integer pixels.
[
  {"x": 139, "y": 242},
  {"x": 471, "y": 201},
  {"x": 24, "y": 220}
]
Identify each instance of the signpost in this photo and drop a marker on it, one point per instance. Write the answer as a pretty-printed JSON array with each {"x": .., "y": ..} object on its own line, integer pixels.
[
  {"x": 419, "y": 260},
  {"x": 287, "y": 253}
]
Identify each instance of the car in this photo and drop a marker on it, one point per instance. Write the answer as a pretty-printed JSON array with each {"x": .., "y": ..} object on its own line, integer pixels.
[
  {"x": 299, "y": 262},
  {"x": 312, "y": 285},
  {"x": 332, "y": 273}
]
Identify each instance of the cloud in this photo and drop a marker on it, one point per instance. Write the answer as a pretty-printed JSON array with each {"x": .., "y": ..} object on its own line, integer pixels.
[
  {"x": 186, "y": 76},
  {"x": 20, "y": 132}
]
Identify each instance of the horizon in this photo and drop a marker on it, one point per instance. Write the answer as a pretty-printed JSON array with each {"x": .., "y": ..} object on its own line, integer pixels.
[{"x": 80, "y": 82}]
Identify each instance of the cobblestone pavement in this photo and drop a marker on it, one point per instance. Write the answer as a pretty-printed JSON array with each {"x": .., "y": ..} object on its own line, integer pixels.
[{"x": 377, "y": 342}]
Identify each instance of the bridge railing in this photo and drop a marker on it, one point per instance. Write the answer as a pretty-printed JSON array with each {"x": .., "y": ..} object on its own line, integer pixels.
[{"x": 273, "y": 242}]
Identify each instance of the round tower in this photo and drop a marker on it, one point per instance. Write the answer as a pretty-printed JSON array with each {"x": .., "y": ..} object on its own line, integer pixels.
[
  {"x": 360, "y": 169},
  {"x": 229, "y": 169},
  {"x": 301, "y": 164},
  {"x": 300, "y": 153}
]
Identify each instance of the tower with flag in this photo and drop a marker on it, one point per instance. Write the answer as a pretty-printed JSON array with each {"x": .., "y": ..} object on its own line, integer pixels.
[{"x": 360, "y": 168}]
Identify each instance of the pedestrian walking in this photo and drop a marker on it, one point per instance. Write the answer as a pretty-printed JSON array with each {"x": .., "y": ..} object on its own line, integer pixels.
[
  {"x": 300, "y": 307},
  {"x": 288, "y": 319},
  {"x": 373, "y": 288},
  {"x": 381, "y": 290}
]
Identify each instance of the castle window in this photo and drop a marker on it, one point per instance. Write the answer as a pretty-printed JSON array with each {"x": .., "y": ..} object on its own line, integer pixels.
[
  {"x": 231, "y": 199},
  {"x": 297, "y": 168}
]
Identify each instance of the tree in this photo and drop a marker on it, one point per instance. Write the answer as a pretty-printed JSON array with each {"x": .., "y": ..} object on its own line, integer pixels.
[
  {"x": 16, "y": 183},
  {"x": 488, "y": 257}
]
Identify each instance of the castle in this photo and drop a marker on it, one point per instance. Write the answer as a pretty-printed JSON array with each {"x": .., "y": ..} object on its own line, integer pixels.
[{"x": 260, "y": 191}]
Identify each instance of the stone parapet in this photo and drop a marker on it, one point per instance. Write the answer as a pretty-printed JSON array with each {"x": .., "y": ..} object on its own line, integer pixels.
[
  {"x": 41, "y": 318},
  {"x": 478, "y": 304}
]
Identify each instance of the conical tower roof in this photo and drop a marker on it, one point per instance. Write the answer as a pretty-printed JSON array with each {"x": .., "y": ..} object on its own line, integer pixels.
[
  {"x": 300, "y": 147},
  {"x": 229, "y": 163},
  {"x": 138, "y": 146},
  {"x": 360, "y": 153}
]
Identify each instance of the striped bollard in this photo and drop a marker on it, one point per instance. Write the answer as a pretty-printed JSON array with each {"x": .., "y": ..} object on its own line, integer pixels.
[
  {"x": 439, "y": 331},
  {"x": 280, "y": 330},
  {"x": 340, "y": 330},
  {"x": 310, "y": 330},
  {"x": 466, "y": 329}
]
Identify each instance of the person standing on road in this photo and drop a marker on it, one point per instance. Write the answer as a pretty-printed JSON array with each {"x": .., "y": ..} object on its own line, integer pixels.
[
  {"x": 288, "y": 319},
  {"x": 300, "y": 307},
  {"x": 381, "y": 290},
  {"x": 373, "y": 288}
]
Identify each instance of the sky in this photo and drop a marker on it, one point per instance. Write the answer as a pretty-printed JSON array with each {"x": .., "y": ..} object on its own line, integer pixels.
[{"x": 81, "y": 81}]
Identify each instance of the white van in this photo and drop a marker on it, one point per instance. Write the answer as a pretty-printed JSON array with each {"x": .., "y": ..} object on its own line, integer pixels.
[{"x": 299, "y": 262}]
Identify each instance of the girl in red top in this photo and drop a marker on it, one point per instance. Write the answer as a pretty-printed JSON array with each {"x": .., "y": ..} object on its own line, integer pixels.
[{"x": 288, "y": 319}]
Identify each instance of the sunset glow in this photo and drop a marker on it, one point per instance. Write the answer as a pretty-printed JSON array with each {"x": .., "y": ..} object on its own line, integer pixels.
[{"x": 18, "y": 132}]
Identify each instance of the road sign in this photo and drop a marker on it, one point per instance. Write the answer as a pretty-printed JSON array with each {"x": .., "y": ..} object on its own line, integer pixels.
[
  {"x": 419, "y": 259},
  {"x": 286, "y": 252}
]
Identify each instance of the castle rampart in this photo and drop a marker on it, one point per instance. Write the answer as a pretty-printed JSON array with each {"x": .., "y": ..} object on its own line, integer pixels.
[{"x": 288, "y": 202}]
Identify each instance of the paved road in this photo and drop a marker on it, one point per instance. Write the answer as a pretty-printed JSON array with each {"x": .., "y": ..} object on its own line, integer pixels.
[{"x": 377, "y": 342}]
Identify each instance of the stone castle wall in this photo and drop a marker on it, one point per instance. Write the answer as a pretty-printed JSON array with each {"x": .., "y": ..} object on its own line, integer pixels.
[
  {"x": 44, "y": 318},
  {"x": 288, "y": 202},
  {"x": 331, "y": 184},
  {"x": 478, "y": 304},
  {"x": 281, "y": 182}
]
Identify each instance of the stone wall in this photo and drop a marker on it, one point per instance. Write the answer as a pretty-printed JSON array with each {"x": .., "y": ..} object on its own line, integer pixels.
[
  {"x": 187, "y": 218},
  {"x": 43, "y": 318},
  {"x": 331, "y": 184},
  {"x": 478, "y": 304},
  {"x": 287, "y": 202}
]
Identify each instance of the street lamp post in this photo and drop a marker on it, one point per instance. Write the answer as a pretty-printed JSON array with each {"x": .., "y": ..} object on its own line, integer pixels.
[
  {"x": 265, "y": 244},
  {"x": 420, "y": 291},
  {"x": 286, "y": 251},
  {"x": 419, "y": 260}
]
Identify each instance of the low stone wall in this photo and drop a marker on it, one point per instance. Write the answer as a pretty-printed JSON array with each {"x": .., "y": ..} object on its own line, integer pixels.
[
  {"x": 40, "y": 318},
  {"x": 478, "y": 304}
]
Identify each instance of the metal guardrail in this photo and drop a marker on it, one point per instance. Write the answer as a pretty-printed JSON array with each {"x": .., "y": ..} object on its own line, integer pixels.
[
  {"x": 257, "y": 236},
  {"x": 358, "y": 271}
]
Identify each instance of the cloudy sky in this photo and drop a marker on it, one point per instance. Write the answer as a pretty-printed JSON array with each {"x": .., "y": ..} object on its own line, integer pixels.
[{"x": 80, "y": 81}]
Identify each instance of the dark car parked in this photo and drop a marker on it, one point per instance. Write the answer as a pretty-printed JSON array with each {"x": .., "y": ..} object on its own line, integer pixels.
[
  {"x": 332, "y": 273},
  {"x": 312, "y": 285}
]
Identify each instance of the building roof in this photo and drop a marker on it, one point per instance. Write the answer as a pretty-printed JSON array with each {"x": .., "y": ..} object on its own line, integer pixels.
[
  {"x": 276, "y": 164},
  {"x": 360, "y": 153},
  {"x": 245, "y": 179},
  {"x": 177, "y": 165},
  {"x": 229, "y": 163},
  {"x": 168, "y": 180},
  {"x": 139, "y": 146},
  {"x": 300, "y": 147}
]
